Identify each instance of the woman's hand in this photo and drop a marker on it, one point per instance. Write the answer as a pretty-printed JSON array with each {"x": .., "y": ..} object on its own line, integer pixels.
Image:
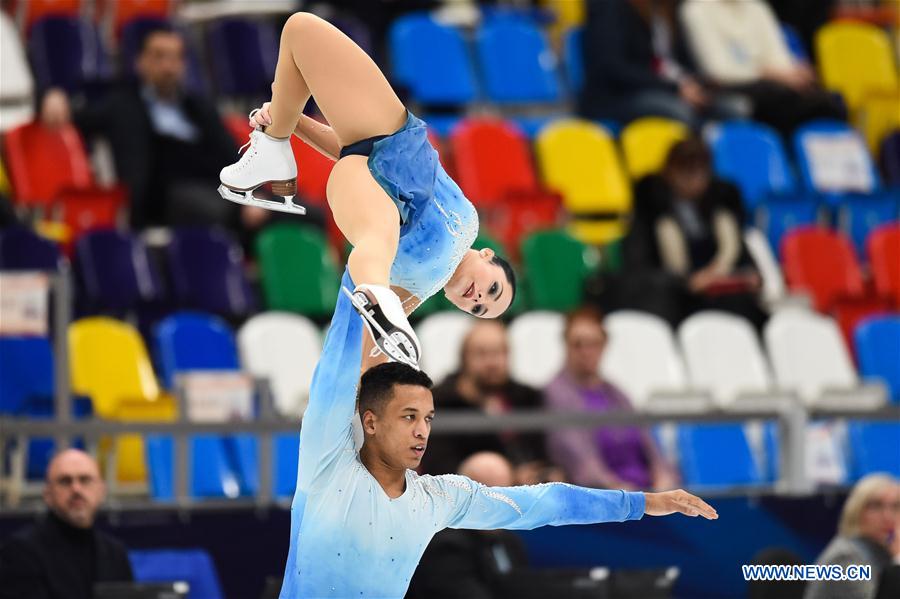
[
  {"x": 260, "y": 117},
  {"x": 682, "y": 502}
]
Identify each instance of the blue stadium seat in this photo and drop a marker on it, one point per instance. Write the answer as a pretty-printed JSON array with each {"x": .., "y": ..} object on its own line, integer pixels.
[
  {"x": 212, "y": 473},
  {"x": 287, "y": 447},
  {"x": 839, "y": 130},
  {"x": 776, "y": 218},
  {"x": 207, "y": 272},
  {"x": 68, "y": 53},
  {"x": 193, "y": 341},
  {"x": 132, "y": 37},
  {"x": 753, "y": 157},
  {"x": 795, "y": 43},
  {"x": 874, "y": 447},
  {"x": 23, "y": 249},
  {"x": 860, "y": 215},
  {"x": 716, "y": 455},
  {"x": 115, "y": 271},
  {"x": 573, "y": 58},
  {"x": 165, "y": 565},
  {"x": 243, "y": 55},
  {"x": 877, "y": 342},
  {"x": 516, "y": 62},
  {"x": 430, "y": 59}
]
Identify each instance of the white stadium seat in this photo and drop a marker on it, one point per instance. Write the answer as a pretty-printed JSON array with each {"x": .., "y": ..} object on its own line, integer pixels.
[
  {"x": 536, "y": 346},
  {"x": 16, "y": 84},
  {"x": 441, "y": 336}
]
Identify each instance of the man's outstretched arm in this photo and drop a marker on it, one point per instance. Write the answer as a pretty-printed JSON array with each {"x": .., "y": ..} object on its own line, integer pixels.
[{"x": 559, "y": 504}]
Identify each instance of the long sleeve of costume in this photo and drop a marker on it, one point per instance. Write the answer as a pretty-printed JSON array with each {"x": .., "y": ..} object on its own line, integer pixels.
[
  {"x": 326, "y": 427},
  {"x": 476, "y": 506}
]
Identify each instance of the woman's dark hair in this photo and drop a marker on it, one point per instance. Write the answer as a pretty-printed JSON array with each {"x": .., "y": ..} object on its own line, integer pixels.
[
  {"x": 509, "y": 272},
  {"x": 376, "y": 387},
  {"x": 687, "y": 155}
]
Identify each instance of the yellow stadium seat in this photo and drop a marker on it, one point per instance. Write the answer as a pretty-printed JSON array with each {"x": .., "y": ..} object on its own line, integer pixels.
[
  {"x": 579, "y": 160},
  {"x": 109, "y": 364},
  {"x": 877, "y": 117},
  {"x": 646, "y": 143},
  {"x": 568, "y": 13},
  {"x": 855, "y": 59},
  {"x": 596, "y": 232},
  {"x": 5, "y": 189}
]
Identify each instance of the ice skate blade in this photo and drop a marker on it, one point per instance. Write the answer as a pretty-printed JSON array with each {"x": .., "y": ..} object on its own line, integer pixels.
[
  {"x": 386, "y": 343},
  {"x": 246, "y": 198}
]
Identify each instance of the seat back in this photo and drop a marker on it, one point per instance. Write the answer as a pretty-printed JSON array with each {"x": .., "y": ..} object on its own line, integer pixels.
[
  {"x": 777, "y": 218},
  {"x": 855, "y": 59},
  {"x": 573, "y": 57},
  {"x": 26, "y": 373},
  {"x": 883, "y": 248},
  {"x": 537, "y": 352},
  {"x": 122, "y": 12},
  {"x": 115, "y": 270},
  {"x": 716, "y": 455},
  {"x": 808, "y": 354},
  {"x": 551, "y": 287},
  {"x": 164, "y": 565},
  {"x": 67, "y": 52},
  {"x": 833, "y": 159},
  {"x": 821, "y": 263},
  {"x": 23, "y": 249},
  {"x": 192, "y": 341},
  {"x": 579, "y": 160},
  {"x": 283, "y": 348},
  {"x": 723, "y": 355},
  {"x": 641, "y": 356},
  {"x": 430, "y": 59},
  {"x": 35, "y": 10},
  {"x": 441, "y": 336},
  {"x": 646, "y": 143},
  {"x": 243, "y": 55},
  {"x": 889, "y": 158},
  {"x": 753, "y": 157},
  {"x": 859, "y": 216},
  {"x": 16, "y": 96},
  {"x": 878, "y": 351},
  {"x": 287, "y": 459},
  {"x": 299, "y": 270},
  {"x": 873, "y": 448},
  {"x": 516, "y": 62},
  {"x": 313, "y": 183}
]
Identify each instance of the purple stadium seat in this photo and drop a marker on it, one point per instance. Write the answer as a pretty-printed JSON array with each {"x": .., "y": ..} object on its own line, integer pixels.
[
  {"x": 68, "y": 53},
  {"x": 207, "y": 272},
  {"x": 889, "y": 158},
  {"x": 243, "y": 56},
  {"x": 22, "y": 249},
  {"x": 115, "y": 271}
]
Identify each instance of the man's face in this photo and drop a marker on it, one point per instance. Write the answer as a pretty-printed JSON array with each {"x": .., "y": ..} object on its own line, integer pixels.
[
  {"x": 161, "y": 63},
  {"x": 880, "y": 514},
  {"x": 486, "y": 355},
  {"x": 584, "y": 346},
  {"x": 400, "y": 433},
  {"x": 74, "y": 489}
]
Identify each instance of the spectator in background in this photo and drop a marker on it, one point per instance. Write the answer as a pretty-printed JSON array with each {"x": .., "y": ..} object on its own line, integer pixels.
[
  {"x": 483, "y": 383},
  {"x": 739, "y": 46},
  {"x": 636, "y": 65},
  {"x": 622, "y": 457},
  {"x": 64, "y": 555},
  {"x": 168, "y": 144},
  {"x": 687, "y": 224},
  {"x": 868, "y": 533}
]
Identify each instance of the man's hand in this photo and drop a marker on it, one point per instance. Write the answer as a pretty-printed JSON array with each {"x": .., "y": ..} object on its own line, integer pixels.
[
  {"x": 670, "y": 502},
  {"x": 692, "y": 93}
]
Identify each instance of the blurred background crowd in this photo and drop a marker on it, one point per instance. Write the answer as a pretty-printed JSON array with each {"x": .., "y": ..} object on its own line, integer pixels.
[{"x": 701, "y": 199}]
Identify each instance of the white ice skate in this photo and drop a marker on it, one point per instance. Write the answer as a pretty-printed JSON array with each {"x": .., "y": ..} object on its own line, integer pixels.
[
  {"x": 383, "y": 316},
  {"x": 267, "y": 160}
]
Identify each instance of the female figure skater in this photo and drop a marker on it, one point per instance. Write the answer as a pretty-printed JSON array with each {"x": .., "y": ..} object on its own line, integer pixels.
[{"x": 408, "y": 222}]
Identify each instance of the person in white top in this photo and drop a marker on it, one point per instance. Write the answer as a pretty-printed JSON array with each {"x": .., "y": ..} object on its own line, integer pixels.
[{"x": 739, "y": 46}]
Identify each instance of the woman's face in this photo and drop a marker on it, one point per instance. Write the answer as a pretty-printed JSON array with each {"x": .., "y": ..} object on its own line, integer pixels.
[
  {"x": 879, "y": 517},
  {"x": 481, "y": 287},
  {"x": 584, "y": 347},
  {"x": 689, "y": 184}
]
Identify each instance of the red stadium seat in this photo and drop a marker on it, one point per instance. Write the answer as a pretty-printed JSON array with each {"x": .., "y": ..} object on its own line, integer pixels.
[
  {"x": 822, "y": 263},
  {"x": 31, "y": 11},
  {"x": 121, "y": 12},
  {"x": 883, "y": 246},
  {"x": 521, "y": 215},
  {"x": 238, "y": 127},
  {"x": 313, "y": 170},
  {"x": 84, "y": 210},
  {"x": 44, "y": 162}
]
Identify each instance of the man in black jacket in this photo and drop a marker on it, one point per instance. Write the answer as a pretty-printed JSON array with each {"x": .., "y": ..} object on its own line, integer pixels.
[
  {"x": 167, "y": 143},
  {"x": 64, "y": 555}
]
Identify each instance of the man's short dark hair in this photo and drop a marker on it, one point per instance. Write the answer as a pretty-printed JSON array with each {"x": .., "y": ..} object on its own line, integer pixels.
[
  {"x": 509, "y": 272},
  {"x": 376, "y": 388},
  {"x": 153, "y": 29}
]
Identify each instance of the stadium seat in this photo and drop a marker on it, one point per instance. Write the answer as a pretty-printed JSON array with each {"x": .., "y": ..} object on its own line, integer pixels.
[
  {"x": 760, "y": 250},
  {"x": 192, "y": 565},
  {"x": 877, "y": 118},
  {"x": 889, "y": 158},
  {"x": 753, "y": 157},
  {"x": 17, "y": 94},
  {"x": 521, "y": 215},
  {"x": 641, "y": 356},
  {"x": 115, "y": 271},
  {"x": 243, "y": 55},
  {"x": 298, "y": 270},
  {"x": 82, "y": 210},
  {"x": 878, "y": 351},
  {"x": 716, "y": 455},
  {"x": 26, "y": 372},
  {"x": 833, "y": 159},
  {"x": 723, "y": 355},
  {"x": 573, "y": 58},
  {"x": 23, "y": 249},
  {"x": 551, "y": 287},
  {"x": 441, "y": 336},
  {"x": 207, "y": 272},
  {"x": 855, "y": 59},
  {"x": 284, "y": 349},
  {"x": 794, "y": 42},
  {"x": 212, "y": 471},
  {"x": 431, "y": 61},
  {"x": 537, "y": 352},
  {"x": 31, "y": 11},
  {"x": 808, "y": 354},
  {"x": 822, "y": 264},
  {"x": 857, "y": 217},
  {"x": 43, "y": 162},
  {"x": 873, "y": 448},
  {"x": 883, "y": 248},
  {"x": 314, "y": 170},
  {"x": 286, "y": 457},
  {"x": 67, "y": 52},
  {"x": 516, "y": 62},
  {"x": 779, "y": 217},
  {"x": 192, "y": 341},
  {"x": 646, "y": 143},
  {"x": 120, "y": 13},
  {"x": 567, "y": 15}
]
